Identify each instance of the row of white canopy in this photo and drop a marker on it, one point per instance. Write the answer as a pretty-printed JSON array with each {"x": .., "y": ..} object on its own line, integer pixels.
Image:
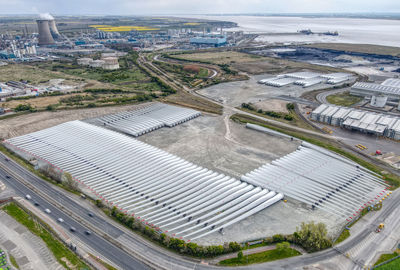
[
  {"x": 163, "y": 190},
  {"x": 321, "y": 179},
  {"x": 148, "y": 118}
]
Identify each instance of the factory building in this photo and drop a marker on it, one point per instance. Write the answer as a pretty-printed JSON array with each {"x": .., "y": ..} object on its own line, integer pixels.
[
  {"x": 360, "y": 120},
  {"x": 306, "y": 79},
  {"x": 379, "y": 93},
  {"x": 211, "y": 40}
]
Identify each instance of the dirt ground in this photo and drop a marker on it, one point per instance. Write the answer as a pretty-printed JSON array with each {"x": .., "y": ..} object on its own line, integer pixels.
[
  {"x": 27, "y": 123},
  {"x": 275, "y": 105},
  {"x": 227, "y": 57}
]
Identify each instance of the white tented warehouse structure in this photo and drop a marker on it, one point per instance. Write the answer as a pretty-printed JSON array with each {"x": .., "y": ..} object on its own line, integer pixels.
[
  {"x": 162, "y": 190},
  {"x": 148, "y": 118},
  {"x": 387, "y": 88},
  {"x": 306, "y": 79},
  {"x": 320, "y": 179},
  {"x": 364, "y": 121}
]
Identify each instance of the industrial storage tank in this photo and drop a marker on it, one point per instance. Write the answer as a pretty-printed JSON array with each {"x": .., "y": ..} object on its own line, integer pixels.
[
  {"x": 379, "y": 101},
  {"x": 84, "y": 61},
  {"x": 97, "y": 63},
  {"x": 110, "y": 63}
]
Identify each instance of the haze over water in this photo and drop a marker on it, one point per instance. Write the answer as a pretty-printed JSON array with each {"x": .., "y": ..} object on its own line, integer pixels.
[{"x": 351, "y": 30}]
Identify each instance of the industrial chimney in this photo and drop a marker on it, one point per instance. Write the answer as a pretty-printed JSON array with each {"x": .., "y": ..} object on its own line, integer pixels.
[
  {"x": 53, "y": 29},
  {"x": 45, "y": 37}
]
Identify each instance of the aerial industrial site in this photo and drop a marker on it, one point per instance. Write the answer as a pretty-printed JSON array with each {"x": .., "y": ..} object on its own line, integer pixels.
[{"x": 198, "y": 142}]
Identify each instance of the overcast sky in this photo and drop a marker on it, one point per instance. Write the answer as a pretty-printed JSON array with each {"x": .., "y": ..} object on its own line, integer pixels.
[{"x": 146, "y": 7}]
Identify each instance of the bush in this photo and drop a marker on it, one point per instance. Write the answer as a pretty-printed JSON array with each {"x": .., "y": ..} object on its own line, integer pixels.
[
  {"x": 50, "y": 107},
  {"x": 24, "y": 107},
  {"x": 281, "y": 247},
  {"x": 240, "y": 255},
  {"x": 288, "y": 117},
  {"x": 248, "y": 106},
  {"x": 260, "y": 111},
  {"x": 290, "y": 106},
  {"x": 312, "y": 237},
  {"x": 278, "y": 238}
]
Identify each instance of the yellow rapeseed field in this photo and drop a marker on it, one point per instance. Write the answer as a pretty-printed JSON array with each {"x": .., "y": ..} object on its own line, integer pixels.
[
  {"x": 192, "y": 23},
  {"x": 123, "y": 28}
]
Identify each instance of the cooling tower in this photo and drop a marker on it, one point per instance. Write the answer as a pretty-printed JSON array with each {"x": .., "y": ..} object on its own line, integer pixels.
[
  {"x": 45, "y": 37},
  {"x": 53, "y": 29}
]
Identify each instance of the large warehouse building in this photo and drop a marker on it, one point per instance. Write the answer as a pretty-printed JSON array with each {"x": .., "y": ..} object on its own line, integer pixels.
[
  {"x": 306, "y": 79},
  {"x": 361, "y": 120},
  {"x": 379, "y": 93}
]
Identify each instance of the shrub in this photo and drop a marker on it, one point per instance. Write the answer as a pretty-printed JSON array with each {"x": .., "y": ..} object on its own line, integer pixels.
[
  {"x": 312, "y": 237},
  {"x": 290, "y": 106},
  {"x": 278, "y": 238},
  {"x": 281, "y": 247},
  {"x": 240, "y": 255},
  {"x": 24, "y": 107},
  {"x": 288, "y": 117}
]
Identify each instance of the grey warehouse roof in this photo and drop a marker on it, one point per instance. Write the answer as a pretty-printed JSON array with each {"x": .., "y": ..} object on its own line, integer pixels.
[{"x": 163, "y": 190}]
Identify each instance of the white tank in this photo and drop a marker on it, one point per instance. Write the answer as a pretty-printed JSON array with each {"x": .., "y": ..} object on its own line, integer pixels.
[{"x": 378, "y": 101}]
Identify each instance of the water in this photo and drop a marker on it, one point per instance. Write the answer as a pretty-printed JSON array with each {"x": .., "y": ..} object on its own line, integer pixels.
[{"x": 351, "y": 30}]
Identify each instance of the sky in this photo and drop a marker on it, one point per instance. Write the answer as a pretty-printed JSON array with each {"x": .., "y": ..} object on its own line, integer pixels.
[{"x": 168, "y": 7}]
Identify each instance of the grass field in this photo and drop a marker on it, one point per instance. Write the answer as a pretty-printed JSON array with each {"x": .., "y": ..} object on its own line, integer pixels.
[
  {"x": 394, "y": 265},
  {"x": 227, "y": 57},
  {"x": 343, "y": 236},
  {"x": 386, "y": 257},
  {"x": 64, "y": 256},
  {"x": 362, "y": 48},
  {"x": 266, "y": 256},
  {"x": 34, "y": 75},
  {"x": 343, "y": 99}
]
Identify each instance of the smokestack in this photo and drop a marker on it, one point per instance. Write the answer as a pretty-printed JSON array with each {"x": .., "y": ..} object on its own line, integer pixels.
[
  {"x": 45, "y": 37},
  {"x": 53, "y": 29}
]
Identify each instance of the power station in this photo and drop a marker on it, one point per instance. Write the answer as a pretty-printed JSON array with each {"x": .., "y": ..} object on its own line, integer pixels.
[{"x": 48, "y": 31}]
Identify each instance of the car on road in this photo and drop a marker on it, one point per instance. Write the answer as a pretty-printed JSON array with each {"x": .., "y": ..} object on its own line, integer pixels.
[
  {"x": 36, "y": 203},
  {"x": 8, "y": 177},
  {"x": 72, "y": 229},
  {"x": 60, "y": 220},
  {"x": 28, "y": 197},
  {"x": 47, "y": 210},
  {"x": 7, "y": 159},
  {"x": 90, "y": 214},
  {"x": 88, "y": 232}
]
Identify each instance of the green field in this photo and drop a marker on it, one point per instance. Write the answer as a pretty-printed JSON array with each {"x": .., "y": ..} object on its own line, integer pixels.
[
  {"x": 59, "y": 250},
  {"x": 394, "y": 265},
  {"x": 266, "y": 256},
  {"x": 343, "y": 99},
  {"x": 343, "y": 236}
]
